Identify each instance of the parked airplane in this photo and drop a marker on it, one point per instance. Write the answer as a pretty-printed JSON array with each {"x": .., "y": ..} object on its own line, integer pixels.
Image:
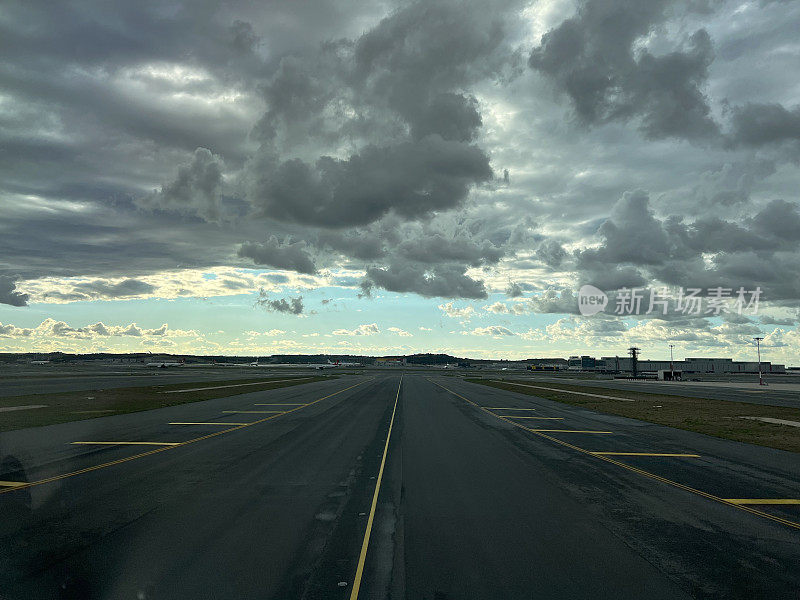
[
  {"x": 339, "y": 363},
  {"x": 294, "y": 365},
  {"x": 318, "y": 366},
  {"x": 165, "y": 364}
]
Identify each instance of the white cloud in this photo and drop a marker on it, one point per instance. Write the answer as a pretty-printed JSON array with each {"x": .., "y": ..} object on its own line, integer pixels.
[
  {"x": 491, "y": 330},
  {"x": 365, "y": 329},
  {"x": 400, "y": 332},
  {"x": 456, "y": 313}
]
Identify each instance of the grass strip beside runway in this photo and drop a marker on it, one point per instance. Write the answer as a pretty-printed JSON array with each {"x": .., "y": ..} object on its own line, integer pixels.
[
  {"x": 88, "y": 404},
  {"x": 720, "y": 418}
]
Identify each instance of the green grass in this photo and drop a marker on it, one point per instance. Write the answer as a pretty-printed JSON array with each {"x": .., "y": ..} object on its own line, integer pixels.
[
  {"x": 88, "y": 404},
  {"x": 718, "y": 418}
]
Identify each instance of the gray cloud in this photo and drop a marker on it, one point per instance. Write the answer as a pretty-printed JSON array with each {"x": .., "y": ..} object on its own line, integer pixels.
[
  {"x": 446, "y": 281},
  {"x": 410, "y": 179},
  {"x": 593, "y": 58},
  {"x": 196, "y": 190},
  {"x": 8, "y": 293},
  {"x": 292, "y": 306},
  {"x": 760, "y": 124},
  {"x": 289, "y": 256}
]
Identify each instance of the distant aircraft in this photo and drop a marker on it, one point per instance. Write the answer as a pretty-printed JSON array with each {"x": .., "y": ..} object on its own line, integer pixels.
[
  {"x": 339, "y": 363},
  {"x": 40, "y": 362},
  {"x": 165, "y": 364},
  {"x": 318, "y": 366}
]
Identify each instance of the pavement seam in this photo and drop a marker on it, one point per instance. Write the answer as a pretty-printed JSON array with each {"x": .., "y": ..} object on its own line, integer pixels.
[{"x": 362, "y": 557}]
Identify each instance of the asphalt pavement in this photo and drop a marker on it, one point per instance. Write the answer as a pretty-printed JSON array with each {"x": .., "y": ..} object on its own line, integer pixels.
[{"x": 446, "y": 490}]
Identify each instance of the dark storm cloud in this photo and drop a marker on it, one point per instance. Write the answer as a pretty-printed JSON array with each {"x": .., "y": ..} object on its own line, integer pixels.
[
  {"x": 435, "y": 248},
  {"x": 289, "y": 256},
  {"x": 8, "y": 293},
  {"x": 638, "y": 248},
  {"x": 761, "y": 124},
  {"x": 551, "y": 253},
  {"x": 197, "y": 189},
  {"x": 292, "y": 306},
  {"x": 593, "y": 58},
  {"x": 446, "y": 281},
  {"x": 410, "y": 179},
  {"x": 396, "y": 94}
]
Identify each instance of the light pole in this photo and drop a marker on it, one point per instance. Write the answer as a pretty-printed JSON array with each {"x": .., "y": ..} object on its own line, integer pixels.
[
  {"x": 758, "y": 341},
  {"x": 671, "y": 367}
]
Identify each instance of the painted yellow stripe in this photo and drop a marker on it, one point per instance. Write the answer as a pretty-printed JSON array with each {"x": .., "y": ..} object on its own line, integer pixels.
[
  {"x": 571, "y": 430},
  {"x": 362, "y": 557},
  {"x": 646, "y": 454},
  {"x": 762, "y": 500},
  {"x": 214, "y": 423},
  {"x": 165, "y": 448},
  {"x": 11, "y": 484},
  {"x": 760, "y": 513},
  {"x": 129, "y": 443},
  {"x": 540, "y": 418},
  {"x": 254, "y": 412}
]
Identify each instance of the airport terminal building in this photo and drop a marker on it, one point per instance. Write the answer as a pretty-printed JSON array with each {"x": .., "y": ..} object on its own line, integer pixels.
[{"x": 689, "y": 365}]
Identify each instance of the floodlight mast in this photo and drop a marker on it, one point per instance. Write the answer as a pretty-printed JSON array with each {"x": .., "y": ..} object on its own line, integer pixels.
[{"x": 758, "y": 341}]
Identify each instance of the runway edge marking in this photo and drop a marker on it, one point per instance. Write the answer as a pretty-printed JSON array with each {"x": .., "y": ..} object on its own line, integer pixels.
[
  {"x": 753, "y": 511},
  {"x": 362, "y": 557},
  {"x": 30, "y": 484}
]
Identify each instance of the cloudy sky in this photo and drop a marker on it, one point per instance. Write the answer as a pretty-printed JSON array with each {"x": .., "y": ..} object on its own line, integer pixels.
[{"x": 395, "y": 177}]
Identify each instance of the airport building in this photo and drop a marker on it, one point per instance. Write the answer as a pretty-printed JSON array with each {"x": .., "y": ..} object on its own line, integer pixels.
[{"x": 689, "y": 365}]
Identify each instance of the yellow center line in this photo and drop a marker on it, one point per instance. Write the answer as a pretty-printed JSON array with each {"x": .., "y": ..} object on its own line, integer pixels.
[
  {"x": 762, "y": 500},
  {"x": 362, "y": 557},
  {"x": 166, "y": 448},
  {"x": 210, "y": 423},
  {"x": 11, "y": 484},
  {"x": 642, "y": 472},
  {"x": 129, "y": 443},
  {"x": 646, "y": 454}
]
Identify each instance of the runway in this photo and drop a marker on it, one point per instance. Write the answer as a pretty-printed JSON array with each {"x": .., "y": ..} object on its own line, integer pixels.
[{"x": 474, "y": 493}]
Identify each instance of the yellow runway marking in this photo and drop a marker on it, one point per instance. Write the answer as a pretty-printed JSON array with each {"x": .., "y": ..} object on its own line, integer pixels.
[
  {"x": 762, "y": 500},
  {"x": 11, "y": 484},
  {"x": 645, "y": 454},
  {"x": 255, "y": 412},
  {"x": 753, "y": 511},
  {"x": 129, "y": 443},
  {"x": 571, "y": 430},
  {"x": 166, "y": 448},
  {"x": 214, "y": 423},
  {"x": 362, "y": 557}
]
